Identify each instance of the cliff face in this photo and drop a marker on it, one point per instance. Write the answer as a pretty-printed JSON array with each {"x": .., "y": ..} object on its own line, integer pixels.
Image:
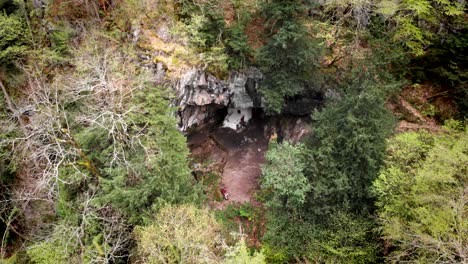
[{"x": 202, "y": 98}]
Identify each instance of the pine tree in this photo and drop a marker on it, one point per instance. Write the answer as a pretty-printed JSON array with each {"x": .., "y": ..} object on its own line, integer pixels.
[
  {"x": 159, "y": 172},
  {"x": 14, "y": 39},
  {"x": 347, "y": 149},
  {"x": 290, "y": 58}
]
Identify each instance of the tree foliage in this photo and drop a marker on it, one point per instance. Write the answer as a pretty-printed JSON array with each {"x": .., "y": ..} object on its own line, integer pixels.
[
  {"x": 290, "y": 58},
  {"x": 339, "y": 238},
  {"x": 89, "y": 146},
  {"x": 422, "y": 197},
  {"x": 159, "y": 172},
  {"x": 347, "y": 149},
  {"x": 418, "y": 23},
  {"x": 222, "y": 42},
  {"x": 105, "y": 142},
  {"x": 283, "y": 175},
  {"x": 240, "y": 254},
  {"x": 289, "y": 61},
  {"x": 331, "y": 177},
  {"x": 346, "y": 238},
  {"x": 129, "y": 150},
  {"x": 14, "y": 38},
  {"x": 180, "y": 234},
  {"x": 332, "y": 174}
]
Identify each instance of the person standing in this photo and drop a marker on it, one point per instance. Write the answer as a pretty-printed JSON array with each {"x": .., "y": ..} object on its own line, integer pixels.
[{"x": 225, "y": 193}]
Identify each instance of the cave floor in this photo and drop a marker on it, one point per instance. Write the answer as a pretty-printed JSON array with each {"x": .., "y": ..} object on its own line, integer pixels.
[{"x": 238, "y": 155}]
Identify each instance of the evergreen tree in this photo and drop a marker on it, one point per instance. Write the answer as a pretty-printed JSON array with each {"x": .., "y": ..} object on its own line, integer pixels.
[
  {"x": 159, "y": 172},
  {"x": 347, "y": 148},
  {"x": 14, "y": 39},
  {"x": 290, "y": 58},
  {"x": 283, "y": 176}
]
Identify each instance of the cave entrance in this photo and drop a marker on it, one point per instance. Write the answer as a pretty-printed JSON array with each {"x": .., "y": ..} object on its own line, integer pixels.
[
  {"x": 258, "y": 115},
  {"x": 234, "y": 155},
  {"x": 219, "y": 116}
]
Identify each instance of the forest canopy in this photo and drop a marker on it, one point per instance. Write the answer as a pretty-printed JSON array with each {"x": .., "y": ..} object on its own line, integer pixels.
[{"x": 96, "y": 165}]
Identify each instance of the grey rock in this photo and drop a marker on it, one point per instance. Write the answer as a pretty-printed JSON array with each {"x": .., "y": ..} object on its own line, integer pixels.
[
  {"x": 197, "y": 89},
  {"x": 237, "y": 117},
  {"x": 201, "y": 95},
  {"x": 160, "y": 72},
  {"x": 240, "y": 98},
  {"x": 39, "y": 4},
  {"x": 193, "y": 116},
  {"x": 163, "y": 33}
]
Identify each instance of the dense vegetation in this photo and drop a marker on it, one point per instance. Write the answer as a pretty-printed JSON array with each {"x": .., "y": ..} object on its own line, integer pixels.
[
  {"x": 421, "y": 196},
  {"x": 94, "y": 170}
]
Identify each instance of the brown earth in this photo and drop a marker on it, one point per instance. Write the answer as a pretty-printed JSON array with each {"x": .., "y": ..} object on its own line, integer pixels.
[
  {"x": 412, "y": 105},
  {"x": 243, "y": 166},
  {"x": 423, "y": 122},
  {"x": 237, "y": 156}
]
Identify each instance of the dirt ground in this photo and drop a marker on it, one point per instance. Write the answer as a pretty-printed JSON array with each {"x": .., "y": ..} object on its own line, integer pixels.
[
  {"x": 241, "y": 155},
  {"x": 412, "y": 119},
  {"x": 243, "y": 162}
]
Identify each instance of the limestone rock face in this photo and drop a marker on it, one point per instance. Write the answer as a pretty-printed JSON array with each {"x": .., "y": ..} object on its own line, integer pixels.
[
  {"x": 201, "y": 95},
  {"x": 203, "y": 99},
  {"x": 237, "y": 117},
  {"x": 197, "y": 88}
]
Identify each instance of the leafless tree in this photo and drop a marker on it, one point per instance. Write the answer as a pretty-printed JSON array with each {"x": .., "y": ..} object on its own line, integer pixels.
[{"x": 103, "y": 82}]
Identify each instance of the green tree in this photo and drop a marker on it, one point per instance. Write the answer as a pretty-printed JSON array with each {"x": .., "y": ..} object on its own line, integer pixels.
[
  {"x": 51, "y": 252},
  {"x": 159, "y": 173},
  {"x": 284, "y": 189},
  {"x": 224, "y": 45},
  {"x": 347, "y": 148},
  {"x": 418, "y": 23},
  {"x": 14, "y": 38},
  {"x": 240, "y": 254},
  {"x": 180, "y": 234},
  {"x": 283, "y": 176},
  {"x": 345, "y": 238},
  {"x": 290, "y": 58},
  {"x": 333, "y": 171},
  {"x": 414, "y": 23},
  {"x": 293, "y": 232},
  {"x": 235, "y": 39},
  {"x": 422, "y": 197},
  {"x": 339, "y": 238},
  {"x": 128, "y": 153},
  {"x": 110, "y": 153}
]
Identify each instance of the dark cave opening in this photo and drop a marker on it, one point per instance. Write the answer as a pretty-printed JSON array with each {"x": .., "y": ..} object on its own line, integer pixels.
[{"x": 219, "y": 115}]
